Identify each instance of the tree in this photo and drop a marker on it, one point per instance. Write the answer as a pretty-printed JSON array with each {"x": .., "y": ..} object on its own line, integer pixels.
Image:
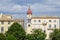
[
  {"x": 10, "y": 37},
  {"x": 17, "y": 31},
  {"x": 2, "y": 36},
  {"x": 37, "y": 35},
  {"x": 30, "y": 37},
  {"x": 55, "y": 35}
]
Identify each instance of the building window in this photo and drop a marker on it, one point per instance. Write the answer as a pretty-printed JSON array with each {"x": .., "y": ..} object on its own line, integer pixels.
[
  {"x": 54, "y": 26},
  {"x": 38, "y": 20},
  {"x": 34, "y": 20},
  {"x": 29, "y": 20},
  {"x": 54, "y": 20},
  {"x": 44, "y": 31},
  {"x": 34, "y": 26},
  {"x": 49, "y": 20},
  {"x": 49, "y": 25},
  {"x": 31, "y": 31},
  {"x": 2, "y": 29},
  {"x": 8, "y": 22},
  {"x": 2, "y": 22}
]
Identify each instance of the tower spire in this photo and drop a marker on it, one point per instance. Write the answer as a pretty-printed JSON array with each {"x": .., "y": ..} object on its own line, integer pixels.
[
  {"x": 29, "y": 7},
  {"x": 29, "y": 11}
]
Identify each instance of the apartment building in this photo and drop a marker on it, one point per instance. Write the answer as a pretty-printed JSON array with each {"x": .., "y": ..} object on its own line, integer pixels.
[
  {"x": 6, "y": 21},
  {"x": 46, "y": 23}
]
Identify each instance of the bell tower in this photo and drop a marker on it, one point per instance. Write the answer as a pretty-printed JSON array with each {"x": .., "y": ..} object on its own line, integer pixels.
[{"x": 29, "y": 13}]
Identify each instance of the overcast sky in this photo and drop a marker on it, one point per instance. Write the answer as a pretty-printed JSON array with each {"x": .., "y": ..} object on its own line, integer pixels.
[{"x": 18, "y": 8}]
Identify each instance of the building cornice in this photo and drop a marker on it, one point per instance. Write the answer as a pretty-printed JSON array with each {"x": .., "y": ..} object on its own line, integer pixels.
[
  {"x": 46, "y": 17},
  {"x": 12, "y": 20}
]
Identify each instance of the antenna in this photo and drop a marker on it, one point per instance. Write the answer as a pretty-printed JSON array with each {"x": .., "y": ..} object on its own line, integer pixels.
[
  {"x": 1, "y": 11},
  {"x": 29, "y": 7}
]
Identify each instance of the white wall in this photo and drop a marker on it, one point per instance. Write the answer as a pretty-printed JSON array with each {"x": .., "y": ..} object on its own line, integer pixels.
[{"x": 38, "y": 25}]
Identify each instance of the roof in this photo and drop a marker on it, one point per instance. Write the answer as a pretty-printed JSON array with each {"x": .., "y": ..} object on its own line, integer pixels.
[
  {"x": 15, "y": 20},
  {"x": 18, "y": 20},
  {"x": 29, "y": 11},
  {"x": 9, "y": 18},
  {"x": 45, "y": 17}
]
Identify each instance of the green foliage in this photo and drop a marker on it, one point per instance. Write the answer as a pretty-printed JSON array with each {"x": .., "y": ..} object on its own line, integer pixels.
[
  {"x": 2, "y": 36},
  {"x": 30, "y": 37},
  {"x": 17, "y": 31},
  {"x": 37, "y": 35},
  {"x": 10, "y": 37},
  {"x": 55, "y": 35}
]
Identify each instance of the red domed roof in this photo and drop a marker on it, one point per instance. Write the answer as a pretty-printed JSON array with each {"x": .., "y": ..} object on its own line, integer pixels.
[{"x": 29, "y": 11}]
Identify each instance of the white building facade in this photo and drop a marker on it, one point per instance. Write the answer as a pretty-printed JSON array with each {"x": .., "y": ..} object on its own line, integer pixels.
[
  {"x": 6, "y": 21},
  {"x": 46, "y": 23}
]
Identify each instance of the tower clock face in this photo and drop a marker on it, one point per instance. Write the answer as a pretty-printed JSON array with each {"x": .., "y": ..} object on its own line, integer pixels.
[
  {"x": 28, "y": 25},
  {"x": 29, "y": 16}
]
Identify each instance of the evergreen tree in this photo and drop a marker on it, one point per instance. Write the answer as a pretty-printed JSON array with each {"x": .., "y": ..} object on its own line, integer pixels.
[{"x": 17, "y": 31}]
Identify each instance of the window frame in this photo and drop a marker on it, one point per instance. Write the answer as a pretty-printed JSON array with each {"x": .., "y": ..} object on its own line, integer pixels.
[
  {"x": 39, "y": 20},
  {"x": 50, "y": 20},
  {"x": 54, "y": 25},
  {"x": 54, "y": 20},
  {"x": 2, "y": 29},
  {"x": 9, "y": 22},
  {"x": 2, "y": 22},
  {"x": 34, "y": 20},
  {"x": 49, "y": 26}
]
